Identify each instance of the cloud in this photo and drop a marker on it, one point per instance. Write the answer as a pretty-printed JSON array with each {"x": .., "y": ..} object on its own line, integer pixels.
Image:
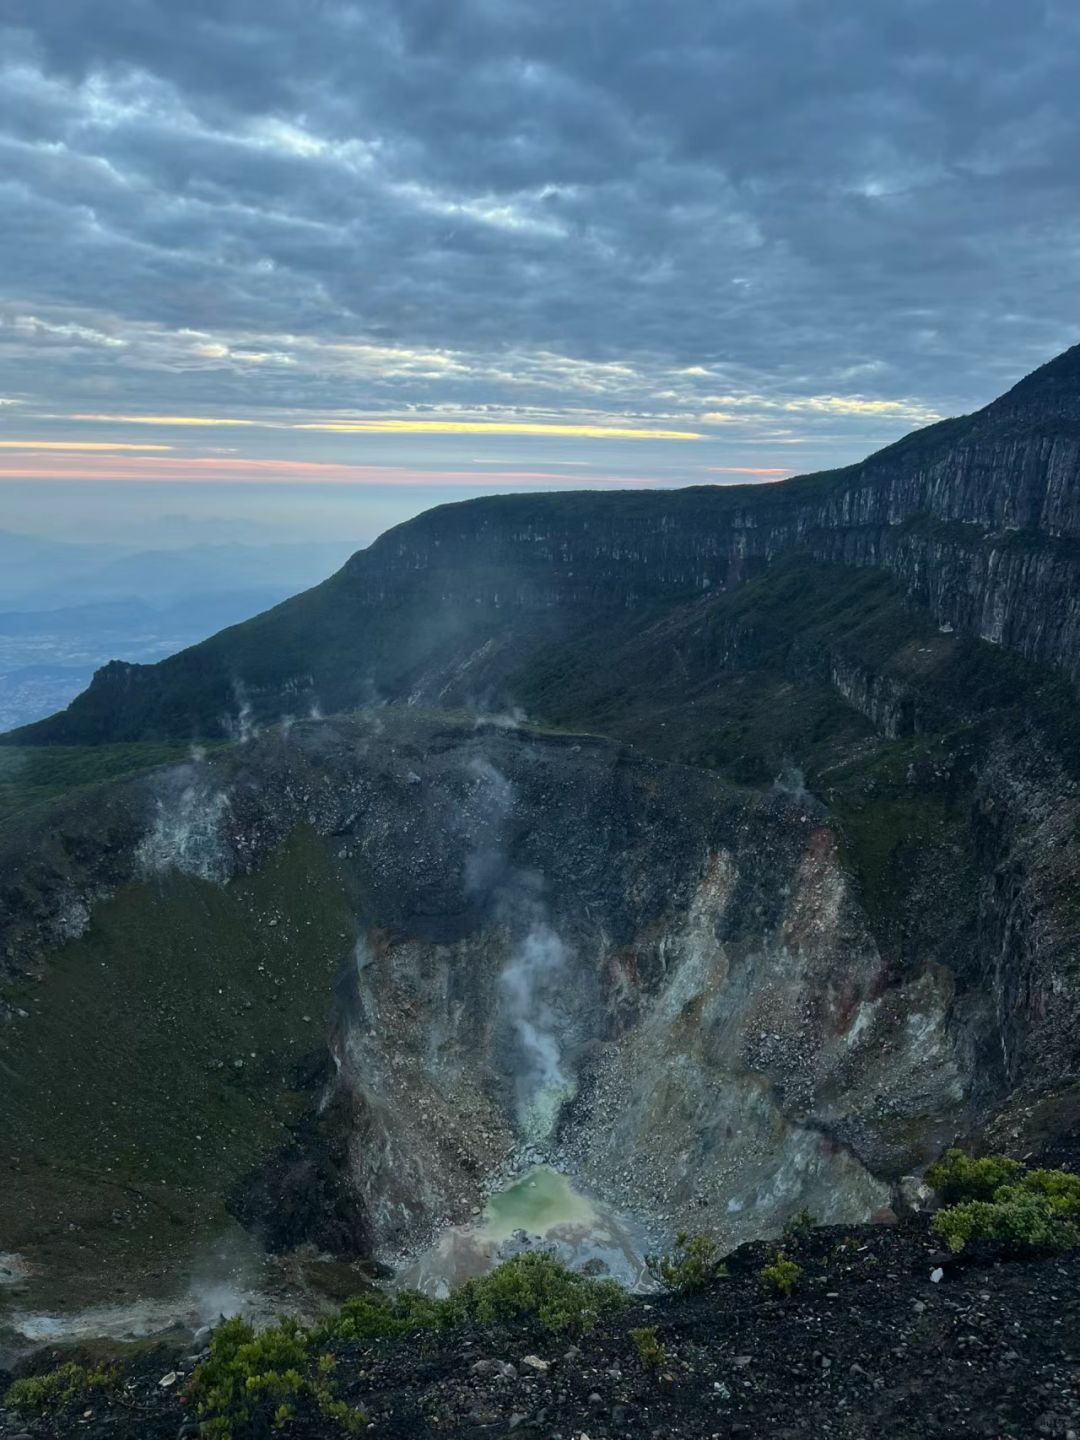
[
  {"x": 786, "y": 223},
  {"x": 217, "y": 470},
  {"x": 396, "y": 426},
  {"x": 762, "y": 472},
  {"x": 499, "y": 427},
  {"x": 31, "y": 447},
  {"x": 163, "y": 420}
]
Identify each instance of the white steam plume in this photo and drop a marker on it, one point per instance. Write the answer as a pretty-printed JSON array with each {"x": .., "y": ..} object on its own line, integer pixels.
[
  {"x": 531, "y": 981},
  {"x": 528, "y": 984}
]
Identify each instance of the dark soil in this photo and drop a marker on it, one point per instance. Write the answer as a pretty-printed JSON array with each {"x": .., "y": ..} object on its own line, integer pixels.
[{"x": 867, "y": 1347}]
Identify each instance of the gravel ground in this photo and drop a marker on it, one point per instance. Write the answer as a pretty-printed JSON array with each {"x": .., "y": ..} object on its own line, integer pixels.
[{"x": 868, "y": 1346}]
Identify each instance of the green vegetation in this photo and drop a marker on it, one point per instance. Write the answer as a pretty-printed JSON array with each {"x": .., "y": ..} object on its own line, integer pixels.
[
  {"x": 32, "y": 776},
  {"x": 1025, "y": 1222},
  {"x": 903, "y": 825},
  {"x": 692, "y": 1265},
  {"x": 379, "y": 1316},
  {"x": 958, "y": 1176},
  {"x": 57, "y": 1389},
  {"x": 647, "y": 1344},
  {"x": 799, "y": 1225},
  {"x": 289, "y": 1373},
  {"x": 250, "y": 1382},
  {"x": 652, "y": 678},
  {"x": 781, "y": 1274},
  {"x": 1060, "y": 1189},
  {"x": 994, "y": 1198},
  {"x": 187, "y": 979},
  {"x": 535, "y": 1287}
]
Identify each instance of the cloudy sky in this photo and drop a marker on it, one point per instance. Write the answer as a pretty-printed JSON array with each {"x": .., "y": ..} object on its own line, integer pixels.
[{"x": 318, "y": 264}]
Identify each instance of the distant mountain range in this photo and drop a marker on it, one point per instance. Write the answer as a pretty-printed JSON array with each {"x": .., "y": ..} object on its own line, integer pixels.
[
  {"x": 41, "y": 574},
  {"x": 67, "y": 609}
]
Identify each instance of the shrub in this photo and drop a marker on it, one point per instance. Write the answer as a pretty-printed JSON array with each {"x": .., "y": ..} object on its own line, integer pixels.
[
  {"x": 692, "y": 1265},
  {"x": 536, "y": 1287},
  {"x": 530, "y": 1287},
  {"x": 1060, "y": 1188},
  {"x": 998, "y": 1199},
  {"x": 650, "y": 1352},
  {"x": 799, "y": 1225},
  {"x": 1020, "y": 1217},
  {"x": 58, "y": 1388},
  {"x": 957, "y": 1177},
  {"x": 373, "y": 1316},
  {"x": 250, "y": 1383},
  {"x": 782, "y": 1275}
]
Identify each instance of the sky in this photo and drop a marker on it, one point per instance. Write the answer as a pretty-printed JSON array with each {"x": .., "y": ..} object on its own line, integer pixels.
[{"x": 302, "y": 268}]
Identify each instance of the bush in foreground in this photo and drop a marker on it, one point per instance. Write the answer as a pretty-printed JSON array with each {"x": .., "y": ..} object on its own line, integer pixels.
[
  {"x": 690, "y": 1267},
  {"x": 69, "y": 1384},
  {"x": 1021, "y": 1219},
  {"x": 958, "y": 1177},
  {"x": 781, "y": 1275},
  {"x": 647, "y": 1344},
  {"x": 378, "y": 1316},
  {"x": 535, "y": 1287},
  {"x": 993, "y": 1198},
  {"x": 1060, "y": 1188},
  {"x": 799, "y": 1225},
  {"x": 532, "y": 1288},
  {"x": 251, "y": 1383}
]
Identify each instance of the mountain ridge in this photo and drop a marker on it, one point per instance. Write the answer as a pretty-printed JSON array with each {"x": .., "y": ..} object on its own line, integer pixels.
[{"x": 977, "y": 517}]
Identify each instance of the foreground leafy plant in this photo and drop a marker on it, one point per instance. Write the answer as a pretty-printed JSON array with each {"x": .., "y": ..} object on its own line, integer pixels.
[
  {"x": 781, "y": 1275},
  {"x": 535, "y": 1286},
  {"x": 255, "y": 1382},
  {"x": 799, "y": 1225},
  {"x": 647, "y": 1344},
  {"x": 66, "y": 1385},
  {"x": 1028, "y": 1211},
  {"x": 692, "y": 1265},
  {"x": 1060, "y": 1188},
  {"x": 376, "y": 1316},
  {"x": 1021, "y": 1219},
  {"x": 957, "y": 1176}
]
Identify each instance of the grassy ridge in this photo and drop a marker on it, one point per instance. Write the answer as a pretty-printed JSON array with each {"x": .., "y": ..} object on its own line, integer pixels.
[
  {"x": 122, "y": 1087},
  {"x": 32, "y": 775}
]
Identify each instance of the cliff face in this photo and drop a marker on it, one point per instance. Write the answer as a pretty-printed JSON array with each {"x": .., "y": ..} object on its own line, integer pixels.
[{"x": 978, "y": 518}]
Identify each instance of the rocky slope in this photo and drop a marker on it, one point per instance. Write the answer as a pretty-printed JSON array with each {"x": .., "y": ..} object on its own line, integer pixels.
[
  {"x": 349, "y": 970},
  {"x": 866, "y": 1346}
]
